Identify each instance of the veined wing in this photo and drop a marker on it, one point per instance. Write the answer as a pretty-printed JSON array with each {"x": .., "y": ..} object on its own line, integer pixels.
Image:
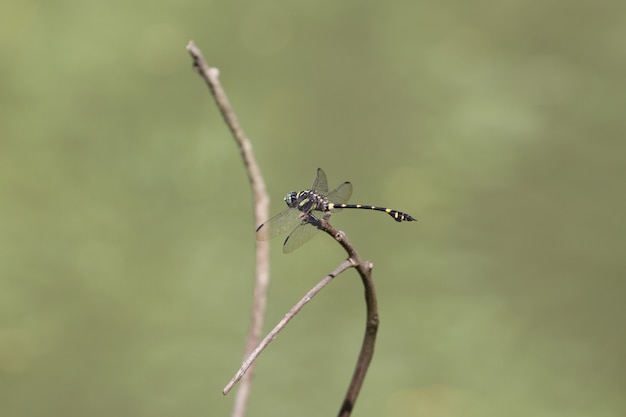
[
  {"x": 320, "y": 184},
  {"x": 301, "y": 234},
  {"x": 341, "y": 194},
  {"x": 279, "y": 224}
]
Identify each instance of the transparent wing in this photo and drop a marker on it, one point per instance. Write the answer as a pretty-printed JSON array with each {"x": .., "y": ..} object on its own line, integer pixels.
[
  {"x": 279, "y": 224},
  {"x": 301, "y": 234},
  {"x": 320, "y": 184},
  {"x": 341, "y": 194}
]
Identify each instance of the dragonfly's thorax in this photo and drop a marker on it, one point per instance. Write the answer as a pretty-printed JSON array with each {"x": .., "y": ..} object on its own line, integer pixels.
[{"x": 306, "y": 201}]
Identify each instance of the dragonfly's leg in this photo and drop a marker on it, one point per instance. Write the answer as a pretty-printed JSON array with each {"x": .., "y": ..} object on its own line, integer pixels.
[{"x": 309, "y": 218}]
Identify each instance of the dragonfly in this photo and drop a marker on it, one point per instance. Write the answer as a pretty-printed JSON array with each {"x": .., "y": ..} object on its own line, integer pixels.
[{"x": 306, "y": 208}]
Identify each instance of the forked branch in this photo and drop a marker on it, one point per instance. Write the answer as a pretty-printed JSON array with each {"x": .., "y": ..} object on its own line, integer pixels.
[
  {"x": 261, "y": 211},
  {"x": 371, "y": 327}
]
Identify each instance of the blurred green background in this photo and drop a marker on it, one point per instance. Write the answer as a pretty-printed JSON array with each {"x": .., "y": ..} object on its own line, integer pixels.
[{"x": 126, "y": 231}]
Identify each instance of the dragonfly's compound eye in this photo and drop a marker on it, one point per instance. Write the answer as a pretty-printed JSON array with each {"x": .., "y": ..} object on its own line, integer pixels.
[{"x": 291, "y": 199}]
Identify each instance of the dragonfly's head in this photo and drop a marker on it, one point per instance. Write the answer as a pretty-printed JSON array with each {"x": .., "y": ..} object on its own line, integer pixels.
[{"x": 292, "y": 199}]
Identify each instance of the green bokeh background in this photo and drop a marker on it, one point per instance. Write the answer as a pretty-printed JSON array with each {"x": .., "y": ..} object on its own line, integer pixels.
[{"x": 126, "y": 231}]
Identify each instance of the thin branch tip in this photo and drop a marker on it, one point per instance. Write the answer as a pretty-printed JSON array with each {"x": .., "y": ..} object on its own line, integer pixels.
[{"x": 282, "y": 323}]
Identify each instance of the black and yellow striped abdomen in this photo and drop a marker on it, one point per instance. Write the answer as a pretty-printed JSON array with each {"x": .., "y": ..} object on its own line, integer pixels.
[{"x": 397, "y": 215}]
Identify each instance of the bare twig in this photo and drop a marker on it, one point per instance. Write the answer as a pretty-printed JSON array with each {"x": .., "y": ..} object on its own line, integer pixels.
[
  {"x": 371, "y": 325},
  {"x": 261, "y": 212},
  {"x": 294, "y": 310}
]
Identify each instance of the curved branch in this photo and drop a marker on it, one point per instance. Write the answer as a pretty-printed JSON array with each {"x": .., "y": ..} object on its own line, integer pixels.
[{"x": 364, "y": 268}]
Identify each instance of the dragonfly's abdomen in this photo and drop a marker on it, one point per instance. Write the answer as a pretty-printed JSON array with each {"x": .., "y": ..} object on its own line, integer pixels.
[{"x": 397, "y": 215}]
